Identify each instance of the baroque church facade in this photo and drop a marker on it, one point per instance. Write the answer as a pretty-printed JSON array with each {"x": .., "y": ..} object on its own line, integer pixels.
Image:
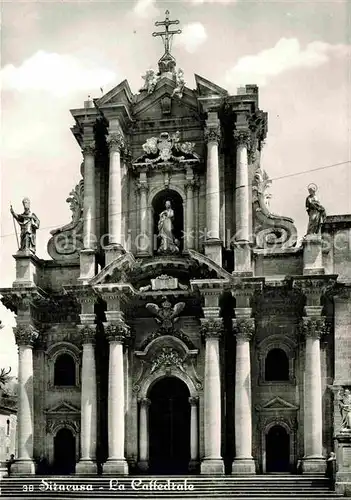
[{"x": 179, "y": 326}]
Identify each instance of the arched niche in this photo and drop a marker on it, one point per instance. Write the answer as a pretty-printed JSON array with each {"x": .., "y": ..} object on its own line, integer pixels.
[
  {"x": 157, "y": 203},
  {"x": 166, "y": 356}
]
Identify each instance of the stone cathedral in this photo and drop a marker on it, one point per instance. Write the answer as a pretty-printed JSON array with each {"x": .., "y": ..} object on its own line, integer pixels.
[{"x": 179, "y": 326}]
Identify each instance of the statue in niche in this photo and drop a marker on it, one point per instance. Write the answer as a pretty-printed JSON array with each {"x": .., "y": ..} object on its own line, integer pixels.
[
  {"x": 165, "y": 230},
  {"x": 29, "y": 223},
  {"x": 344, "y": 397},
  {"x": 316, "y": 212}
]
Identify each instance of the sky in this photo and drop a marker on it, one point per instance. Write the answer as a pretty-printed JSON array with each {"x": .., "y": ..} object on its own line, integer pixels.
[{"x": 56, "y": 53}]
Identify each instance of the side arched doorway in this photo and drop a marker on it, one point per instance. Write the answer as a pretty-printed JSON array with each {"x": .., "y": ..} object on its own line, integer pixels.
[
  {"x": 64, "y": 452},
  {"x": 277, "y": 450},
  {"x": 169, "y": 427}
]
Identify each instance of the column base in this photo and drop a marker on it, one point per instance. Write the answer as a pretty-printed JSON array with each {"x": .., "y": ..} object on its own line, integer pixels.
[
  {"x": 193, "y": 466},
  {"x": 87, "y": 265},
  {"x": 22, "y": 467},
  {"x": 143, "y": 465},
  {"x": 243, "y": 466},
  {"x": 242, "y": 257},
  {"x": 112, "y": 252},
  {"x": 314, "y": 465},
  {"x": 85, "y": 467},
  {"x": 115, "y": 466},
  {"x": 213, "y": 250},
  {"x": 212, "y": 466}
]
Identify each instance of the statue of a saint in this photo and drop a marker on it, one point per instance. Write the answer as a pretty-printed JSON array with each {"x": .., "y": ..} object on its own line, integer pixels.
[
  {"x": 29, "y": 223},
  {"x": 316, "y": 212},
  {"x": 344, "y": 397},
  {"x": 165, "y": 230}
]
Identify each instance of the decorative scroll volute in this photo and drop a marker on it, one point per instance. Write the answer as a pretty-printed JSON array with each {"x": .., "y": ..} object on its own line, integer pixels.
[{"x": 67, "y": 241}]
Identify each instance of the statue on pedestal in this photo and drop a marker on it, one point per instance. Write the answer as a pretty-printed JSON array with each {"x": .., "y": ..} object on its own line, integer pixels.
[
  {"x": 165, "y": 230},
  {"x": 316, "y": 212},
  {"x": 344, "y": 397},
  {"x": 29, "y": 223}
]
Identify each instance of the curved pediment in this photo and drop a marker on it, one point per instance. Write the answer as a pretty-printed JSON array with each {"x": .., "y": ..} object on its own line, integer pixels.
[{"x": 168, "y": 271}]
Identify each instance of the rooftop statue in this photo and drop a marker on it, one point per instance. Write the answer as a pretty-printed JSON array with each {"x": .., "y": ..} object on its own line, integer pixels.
[
  {"x": 29, "y": 223},
  {"x": 316, "y": 212},
  {"x": 165, "y": 230},
  {"x": 151, "y": 78}
]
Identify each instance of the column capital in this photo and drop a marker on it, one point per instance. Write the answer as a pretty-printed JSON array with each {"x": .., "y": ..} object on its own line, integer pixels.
[
  {"x": 193, "y": 400},
  {"x": 244, "y": 328},
  {"x": 88, "y": 149},
  {"x": 313, "y": 288},
  {"x": 213, "y": 134},
  {"x": 87, "y": 333},
  {"x": 25, "y": 335},
  {"x": 117, "y": 332},
  {"x": 314, "y": 327},
  {"x": 242, "y": 137},
  {"x": 115, "y": 141},
  {"x": 211, "y": 328},
  {"x": 145, "y": 402}
]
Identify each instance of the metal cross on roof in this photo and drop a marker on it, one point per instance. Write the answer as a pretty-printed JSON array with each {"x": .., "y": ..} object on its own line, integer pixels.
[{"x": 166, "y": 35}]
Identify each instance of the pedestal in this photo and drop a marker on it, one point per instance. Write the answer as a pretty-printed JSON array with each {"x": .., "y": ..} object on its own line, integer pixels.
[
  {"x": 312, "y": 254},
  {"x": 26, "y": 268},
  {"x": 112, "y": 252},
  {"x": 23, "y": 467},
  {"x": 343, "y": 457},
  {"x": 213, "y": 250},
  {"x": 242, "y": 259},
  {"x": 87, "y": 265}
]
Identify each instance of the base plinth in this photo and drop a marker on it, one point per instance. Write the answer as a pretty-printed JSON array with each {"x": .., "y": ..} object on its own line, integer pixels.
[
  {"x": 117, "y": 467},
  {"x": 314, "y": 465},
  {"x": 112, "y": 252},
  {"x": 312, "y": 254},
  {"x": 212, "y": 466},
  {"x": 213, "y": 250},
  {"x": 244, "y": 466},
  {"x": 87, "y": 265},
  {"x": 143, "y": 465},
  {"x": 85, "y": 467},
  {"x": 22, "y": 467}
]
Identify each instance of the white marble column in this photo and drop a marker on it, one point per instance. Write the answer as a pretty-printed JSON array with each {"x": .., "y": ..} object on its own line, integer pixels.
[
  {"x": 88, "y": 433},
  {"x": 212, "y": 462},
  {"x": 190, "y": 215},
  {"x": 244, "y": 326},
  {"x": 212, "y": 136},
  {"x": 242, "y": 256},
  {"x": 313, "y": 326},
  {"x": 116, "y": 463},
  {"x": 89, "y": 208},
  {"x": 115, "y": 142},
  {"x": 143, "y": 463},
  {"x": 143, "y": 240},
  {"x": 194, "y": 433},
  {"x": 25, "y": 336}
]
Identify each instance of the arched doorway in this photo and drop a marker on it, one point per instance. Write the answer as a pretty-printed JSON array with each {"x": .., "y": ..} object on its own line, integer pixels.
[
  {"x": 277, "y": 449},
  {"x": 169, "y": 428},
  {"x": 158, "y": 206},
  {"x": 64, "y": 452}
]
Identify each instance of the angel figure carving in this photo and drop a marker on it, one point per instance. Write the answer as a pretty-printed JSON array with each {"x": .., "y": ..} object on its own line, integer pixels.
[{"x": 166, "y": 315}]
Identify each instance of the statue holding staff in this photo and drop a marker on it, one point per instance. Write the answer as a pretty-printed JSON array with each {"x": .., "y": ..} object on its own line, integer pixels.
[{"x": 29, "y": 223}]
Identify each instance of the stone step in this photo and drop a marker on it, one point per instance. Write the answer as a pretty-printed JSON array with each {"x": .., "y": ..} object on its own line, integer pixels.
[{"x": 255, "y": 487}]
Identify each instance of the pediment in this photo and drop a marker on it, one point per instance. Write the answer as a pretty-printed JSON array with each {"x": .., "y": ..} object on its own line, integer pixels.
[
  {"x": 277, "y": 403},
  {"x": 206, "y": 88},
  {"x": 116, "y": 271},
  {"x": 63, "y": 408},
  {"x": 121, "y": 94},
  {"x": 150, "y": 104}
]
